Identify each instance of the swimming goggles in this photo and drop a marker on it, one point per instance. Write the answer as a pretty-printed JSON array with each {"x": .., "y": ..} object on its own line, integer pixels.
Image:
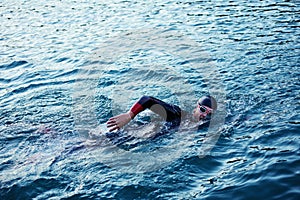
[{"x": 204, "y": 109}]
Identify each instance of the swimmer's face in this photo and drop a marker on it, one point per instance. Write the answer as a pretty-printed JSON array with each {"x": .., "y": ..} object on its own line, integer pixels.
[{"x": 201, "y": 112}]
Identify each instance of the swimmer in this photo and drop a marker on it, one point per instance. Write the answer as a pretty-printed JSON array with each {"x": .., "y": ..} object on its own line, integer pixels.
[
  {"x": 172, "y": 114},
  {"x": 205, "y": 107}
]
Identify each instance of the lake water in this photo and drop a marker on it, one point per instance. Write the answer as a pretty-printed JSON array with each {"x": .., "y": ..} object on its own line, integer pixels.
[{"x": 66, "y": 67}]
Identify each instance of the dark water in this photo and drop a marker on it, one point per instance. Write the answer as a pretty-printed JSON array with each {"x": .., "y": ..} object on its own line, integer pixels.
[{"x": 66, "y": 67}]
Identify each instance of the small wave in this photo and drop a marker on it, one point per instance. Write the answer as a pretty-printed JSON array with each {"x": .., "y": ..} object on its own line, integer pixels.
[
  {"x": 32, "y": 86},
  {"x": 14, "y": 64}
]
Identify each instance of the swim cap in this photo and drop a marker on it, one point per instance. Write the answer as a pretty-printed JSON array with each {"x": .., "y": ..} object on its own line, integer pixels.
[{"x": 208, "y": 101}]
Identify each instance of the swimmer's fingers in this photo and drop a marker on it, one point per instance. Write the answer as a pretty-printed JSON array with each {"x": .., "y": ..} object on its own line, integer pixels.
[
  {"x": 111, "y": 122},
  {"x": 112, "y": 125},
  {"x": 118, "y": 122},
  {"x": 114, "y": 128}
]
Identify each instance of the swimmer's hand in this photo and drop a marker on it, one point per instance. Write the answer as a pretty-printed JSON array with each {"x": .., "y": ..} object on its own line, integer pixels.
[{"x": 117, "y": 122}]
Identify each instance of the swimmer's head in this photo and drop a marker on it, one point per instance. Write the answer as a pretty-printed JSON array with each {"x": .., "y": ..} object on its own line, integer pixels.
[
  {"x": 208, "y": 101},
  {"x": 206, "y": 105}
]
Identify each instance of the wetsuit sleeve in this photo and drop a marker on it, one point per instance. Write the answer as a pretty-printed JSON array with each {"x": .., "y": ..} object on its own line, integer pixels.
[{"x": 168, "y": 111}]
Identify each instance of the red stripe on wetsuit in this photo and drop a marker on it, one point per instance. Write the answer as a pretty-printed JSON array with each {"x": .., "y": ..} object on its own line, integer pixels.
[{"x": 136, "y": 109}]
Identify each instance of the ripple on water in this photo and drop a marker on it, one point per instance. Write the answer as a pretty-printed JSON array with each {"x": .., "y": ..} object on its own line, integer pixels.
[{"x": 59, "y": 60}]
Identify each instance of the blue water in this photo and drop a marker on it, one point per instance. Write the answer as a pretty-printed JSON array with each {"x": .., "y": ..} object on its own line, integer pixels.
[{"x": 67, "y": 66}]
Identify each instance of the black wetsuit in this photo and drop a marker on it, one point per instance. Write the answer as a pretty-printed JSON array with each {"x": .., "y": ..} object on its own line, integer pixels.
[{"x": 171, "y": 114}]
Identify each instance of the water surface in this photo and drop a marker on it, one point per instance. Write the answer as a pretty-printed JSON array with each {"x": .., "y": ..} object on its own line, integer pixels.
[{"x": 66, "y": 67}]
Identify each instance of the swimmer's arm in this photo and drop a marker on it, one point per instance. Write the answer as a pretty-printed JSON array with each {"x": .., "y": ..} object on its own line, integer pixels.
[
  {"x": 119, "y": 121},
  {"x": 165, "y": 110}
]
